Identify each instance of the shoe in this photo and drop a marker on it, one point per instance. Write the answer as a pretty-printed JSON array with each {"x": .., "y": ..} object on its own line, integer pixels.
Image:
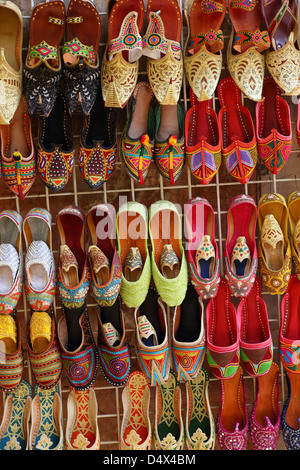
[
  {"x": 137, "y": 144},
  {"x": 169, "y": 265},
  {"x": 283, "y": 58},
  {"x": 113, "y": 347},
  {"x": 203, "y": 252},
  {"x": 98, "y": 144},
  {"x": 12, "y": 361},
  {"x": 298, "y": 124},
  {"x": 256, "y": 345},
  {"x": 274, "y": 250},
  {"x": 294, "y": 217},
  {"x": 203, "y": 140},
  {"x": 223, "y": 339},
  {"x": 152, "y": 340},
  {"x": 82, "y": 430},
  {"x": 240, "y": 249},
  {"x": 199, "y": 424},
  {"x": 188, "y": 336},
  {"x": 239, "y": 149},
  {"x": 246, "y": 45},
  {"x": 136, "y": 431},
  {"x": 273, "y": 127},
  {"x": 203, "y": 46},
  {"x": 11, "y": 260},
  {"x": 104, "y": 260},
  {"x": 81, "y": 71},
  {"x": 55, "y": 151},
  {"x": 14, "y": 428},
  {"x": 11, "y": 38},
  {"x": 43, "y": 64},
  {"x": 120, "y": 65},
  {"x": 46, "y": 432},
  {"x": 169, "y": 155},
  {"x": 168, "y": 432},
  {"x": 289, "y": 419},
  {"x": 132, "y": 237},
  {"x": 17, "y": 152},
  {"x": 232, "y": 420},
  {"x": 264, "y": 421}
]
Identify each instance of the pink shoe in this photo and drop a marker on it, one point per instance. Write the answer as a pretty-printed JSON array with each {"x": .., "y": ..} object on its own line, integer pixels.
[
  {"x": 203, "y": 253},
  {"x": 240, "y": 250},
  {"x": 232, "y": 421},
  {"x": 256, "y": 344},
  {"x": 223, "y": 345}
]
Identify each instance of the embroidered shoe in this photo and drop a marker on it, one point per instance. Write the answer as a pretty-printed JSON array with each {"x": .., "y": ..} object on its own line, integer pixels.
[
  {"x": 241, "y": 259},
  {"x": 188, "y": 336},
  {"x": 104, "y": 260},
  {"x": 199, "y": 423},
  {"x": 203, "y": 252},
  {"x": 223, "y": 339},
  {"x": 12, "y": 362},
  {"x": 113, "y": 348},
  {"x": 46, "y": 432},
  {"x": 132, "y": 232},
  {"x": 11, "y": 260},
  {"x": 136, "y": 431},
  {"x": 168, "y": 432},
  {"x": 256, "y": 345},
  {"x": 293, "y": 203},
  {"x": 152, "y": 341}
]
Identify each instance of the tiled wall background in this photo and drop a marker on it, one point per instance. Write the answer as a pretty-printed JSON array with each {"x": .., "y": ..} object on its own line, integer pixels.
[{"x": 219, "y": 193}]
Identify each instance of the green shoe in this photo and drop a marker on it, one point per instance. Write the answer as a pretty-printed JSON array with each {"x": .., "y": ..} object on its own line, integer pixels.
[
  {"x": 132, "y": 235},
  {"x": 169, "y": 265}
]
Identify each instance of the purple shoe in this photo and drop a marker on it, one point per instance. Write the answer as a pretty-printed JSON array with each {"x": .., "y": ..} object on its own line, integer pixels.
[{"x": 264, "y": 421}]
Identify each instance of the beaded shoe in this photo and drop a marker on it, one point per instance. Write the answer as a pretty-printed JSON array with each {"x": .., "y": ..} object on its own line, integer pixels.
[{"x": 12, "y": 362}]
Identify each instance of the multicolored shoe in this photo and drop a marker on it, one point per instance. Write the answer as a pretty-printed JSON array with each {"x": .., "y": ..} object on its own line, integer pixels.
[
  {"x": 168, "y": 432},
  {"x": 14, "y": 428},
  {"x": 136, "y": 425},
  {"x": 223, "y": 336},
  {"x": 165, "y": 229},
  {"x": 188, "y": 336},
  {"x": 199, "y": 424},
  {"x": 152, "y": 341},
  {"x": 203, "y": 252},
  {"x": 46, "y": 432},
  {"x": 11, "y": 260},
  {"x": 12, "y": 362},
  {"x": 113, "y": 347},
  {"x": 104, "y": 260},
  {"x": 257, "y": 352},
  {"x": 241, "y": 259},
  {"x": 137, "y": 145}
]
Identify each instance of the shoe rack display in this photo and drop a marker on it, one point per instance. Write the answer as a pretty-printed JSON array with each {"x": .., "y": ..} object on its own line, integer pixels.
[{"x": 149, "y": 225}]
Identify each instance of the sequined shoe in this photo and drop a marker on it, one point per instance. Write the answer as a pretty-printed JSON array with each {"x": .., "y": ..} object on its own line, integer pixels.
[
  {"x": 188, "y": 336},
  {"x": 12, "y": 361},
  {"x": 240, "y": 249},
  {"x": 168, "y": 433},
  {"x": 203, "y": 252}
]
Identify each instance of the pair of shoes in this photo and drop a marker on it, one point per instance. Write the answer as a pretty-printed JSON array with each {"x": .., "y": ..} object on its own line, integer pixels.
[
  {"x": 18, "y": 159},
  {"x": 202, "y": 139},
  {"x": 154, "y": 346},
  {"x": 152, "y": 134},
  {"x": 238, "y": 142},
  {"x": 240, "y": 255},
  {"x": 273, "y": 127},
  {"x": 11, "y": 38},
  {"x": 274, "y": 247},
  {"x": 241, "y": 335},
  {"x": 202, "y": 250},
  {"x": 44, "y": 63},
  {"x": 125, "y": 46}
]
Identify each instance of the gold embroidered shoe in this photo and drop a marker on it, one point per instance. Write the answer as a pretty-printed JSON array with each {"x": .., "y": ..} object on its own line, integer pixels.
[
  {"x": 161, "y": 45},
  {"x": 247, "y": 42},
  {"x": 120, "y": 64},
  {"x": 274, "y": 250},
  {"x": 294, "y": 219},
  {"x": 202, "y": 51},
  {"x": 12, "y": 365},
  {"x": 11, "y": 37}
]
